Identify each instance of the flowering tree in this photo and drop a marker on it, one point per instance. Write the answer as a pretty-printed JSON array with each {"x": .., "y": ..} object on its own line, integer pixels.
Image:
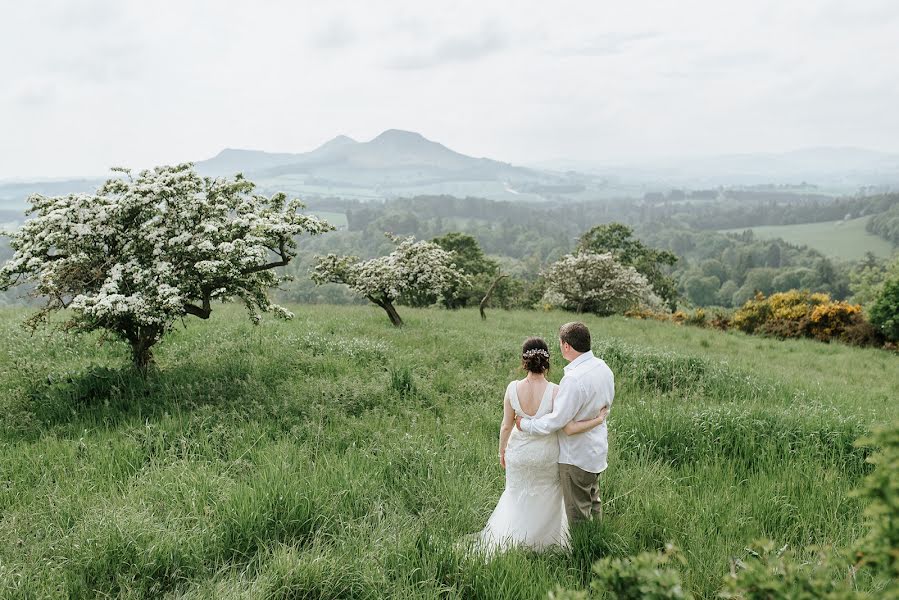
[
  {"x": 145, "y": 251},
  {"x": 413, "y": 269},
  {"x": 597, "y": 283}
]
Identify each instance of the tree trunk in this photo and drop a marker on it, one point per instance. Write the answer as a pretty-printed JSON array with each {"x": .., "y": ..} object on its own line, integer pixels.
[
  {"x": 391, "y": 312},
  {"x": 390, "y": 309},
  {"x": 486, "y": 297},
  {"x": 142, "y": 357},
  {"x": 142, "y": 341}
]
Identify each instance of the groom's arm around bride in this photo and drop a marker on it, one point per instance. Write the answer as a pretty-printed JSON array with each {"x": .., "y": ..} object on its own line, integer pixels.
[{"x": 587, "y": 388}]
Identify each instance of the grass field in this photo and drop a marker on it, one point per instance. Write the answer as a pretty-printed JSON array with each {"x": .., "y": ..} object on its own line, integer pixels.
[
  {"x": 337, "y": 219},
  {"x": 333, "y": 456},
  {"x": 838, "y": 239}
]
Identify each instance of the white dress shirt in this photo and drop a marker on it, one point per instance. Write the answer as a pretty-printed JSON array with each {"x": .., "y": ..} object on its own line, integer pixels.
[{"x": 587, "y": 386}]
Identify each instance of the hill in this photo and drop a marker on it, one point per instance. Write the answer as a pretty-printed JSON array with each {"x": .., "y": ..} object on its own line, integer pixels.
[
  {"x": 333, "y": 456},
  {"x": 395, "y": 162},
  {"x": 830, "y": 169},
  {"x": 846, "y": 240}
]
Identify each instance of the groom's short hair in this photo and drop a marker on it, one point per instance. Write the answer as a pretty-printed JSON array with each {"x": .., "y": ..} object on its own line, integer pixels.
[{"x": 576, "y": 335}]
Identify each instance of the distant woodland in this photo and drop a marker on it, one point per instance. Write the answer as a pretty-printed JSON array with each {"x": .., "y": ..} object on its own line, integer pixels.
[{"x": 522, "y": 238}]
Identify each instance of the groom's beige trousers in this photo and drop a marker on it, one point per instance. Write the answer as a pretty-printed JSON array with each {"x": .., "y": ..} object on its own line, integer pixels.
[{"x": 580, "y": 489}]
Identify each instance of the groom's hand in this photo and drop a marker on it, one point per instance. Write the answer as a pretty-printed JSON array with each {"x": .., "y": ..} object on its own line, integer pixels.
[{"x": 518, "y": 423}]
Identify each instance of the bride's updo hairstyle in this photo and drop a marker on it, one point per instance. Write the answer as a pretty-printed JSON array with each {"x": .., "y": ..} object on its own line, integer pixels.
[{"x": 535, "y": 355}]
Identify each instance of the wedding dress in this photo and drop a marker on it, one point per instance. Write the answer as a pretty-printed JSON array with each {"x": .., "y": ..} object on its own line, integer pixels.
[{"x": 530, "y": 513}]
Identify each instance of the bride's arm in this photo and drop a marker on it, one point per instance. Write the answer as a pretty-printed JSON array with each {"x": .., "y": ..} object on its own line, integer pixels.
[
  {"x": 505, "y": 429},
  {"x": 581, "y": 426}
]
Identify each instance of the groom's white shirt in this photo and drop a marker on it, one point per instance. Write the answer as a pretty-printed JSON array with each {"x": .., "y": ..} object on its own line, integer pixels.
[{"x": 587, "y": 386}]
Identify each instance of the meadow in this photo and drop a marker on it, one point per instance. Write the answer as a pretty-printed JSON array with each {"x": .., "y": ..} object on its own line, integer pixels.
[
  {"x": 334, "y": 456},
  {"x": 846, "y": 240}
]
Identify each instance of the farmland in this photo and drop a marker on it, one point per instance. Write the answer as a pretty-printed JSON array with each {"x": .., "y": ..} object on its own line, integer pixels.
[{"x": 838, "y": 239}]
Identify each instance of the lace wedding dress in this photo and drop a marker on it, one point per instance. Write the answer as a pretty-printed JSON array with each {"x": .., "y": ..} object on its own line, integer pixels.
[{"x": 530, "y": 512}]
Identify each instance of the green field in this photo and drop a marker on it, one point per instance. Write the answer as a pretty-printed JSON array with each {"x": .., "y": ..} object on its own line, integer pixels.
[
  {"x": 333, "y": 456},
  {"x": 838, "y": 239},
  {"x": 337, "y": 219}
]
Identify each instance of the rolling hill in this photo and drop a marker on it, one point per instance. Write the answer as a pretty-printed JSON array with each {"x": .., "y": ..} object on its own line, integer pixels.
[{"x": 390, "y": 164}]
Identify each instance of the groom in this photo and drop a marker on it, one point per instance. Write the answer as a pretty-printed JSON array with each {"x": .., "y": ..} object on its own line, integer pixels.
[{"x": 587, "y": 388}]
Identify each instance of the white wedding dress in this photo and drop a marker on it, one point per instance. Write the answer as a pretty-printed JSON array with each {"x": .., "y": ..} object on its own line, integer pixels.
[{"x": 530, "y": 513}]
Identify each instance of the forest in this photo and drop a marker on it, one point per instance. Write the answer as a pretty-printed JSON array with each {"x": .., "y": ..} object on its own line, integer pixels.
[{"x": 713, "y": 268}]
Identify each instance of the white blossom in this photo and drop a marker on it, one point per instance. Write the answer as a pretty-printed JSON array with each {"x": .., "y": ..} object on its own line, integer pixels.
[
  {"x": 412, "y": 268},
  {"x": 588, "y": 282},
  {"x": 146, "y": 250}
]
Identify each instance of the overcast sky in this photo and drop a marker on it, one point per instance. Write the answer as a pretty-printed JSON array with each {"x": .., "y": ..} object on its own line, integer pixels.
[{"x": 89, "y": 84}]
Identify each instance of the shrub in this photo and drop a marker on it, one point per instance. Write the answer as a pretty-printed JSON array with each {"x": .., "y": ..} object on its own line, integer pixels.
[
  {"x": 797, "y": 314},
  {"x": 769, "y": 574},
  {"x": 885, "y": 310},
  {"x": 647, "y": 576},
  {"x": 752, "y": 314},
  {"x": 831, "y": 320},
  {"x": 862, "y": 333},
  {"x": 720, "y": 320},
  {"x": 697, "y": 318},
  {"x": 878, "y": 549}
]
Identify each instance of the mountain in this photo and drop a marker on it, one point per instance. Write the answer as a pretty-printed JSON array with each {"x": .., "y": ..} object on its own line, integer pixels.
[
  {"x": 395, "y": 162},
  {"x": 14, "y": 194},
  {"x": 845, "y": 167},
  {"x": 230, "y": 161},
  {"x": 399, "y": 163}
]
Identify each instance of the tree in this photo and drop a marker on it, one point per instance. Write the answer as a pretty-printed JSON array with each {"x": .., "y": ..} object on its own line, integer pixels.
[
  {"x": 413, "y": 269},
  {"x": 618, "y": 239},
  {"x": 702, "y": 291},
  {"x": 483, "y": 303},
  {"x": 885, "y": 310},
  {"x": 869, "y": 276},
  {"x": 145, "y": 251},
  {"x": 597, "y": 283},
  {"x": 471, "y": 261}
]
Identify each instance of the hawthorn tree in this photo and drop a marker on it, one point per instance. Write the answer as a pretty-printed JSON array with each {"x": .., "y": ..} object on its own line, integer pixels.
[
  {"x": 416, "y": 269},
  {"x": 619, "y": 239},
  {"x": 597, "y": 283},
  {"x": 145, "y": 251}
]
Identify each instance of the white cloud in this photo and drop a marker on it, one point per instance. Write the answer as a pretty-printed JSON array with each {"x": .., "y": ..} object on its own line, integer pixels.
[{"x": 91, "y": 84}]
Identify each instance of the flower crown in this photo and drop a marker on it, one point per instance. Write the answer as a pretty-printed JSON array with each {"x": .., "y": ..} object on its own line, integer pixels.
[{"x": 535, "y": 352}]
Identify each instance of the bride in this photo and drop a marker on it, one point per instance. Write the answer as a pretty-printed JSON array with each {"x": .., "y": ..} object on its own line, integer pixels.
[{"x": 530, "y": 512}]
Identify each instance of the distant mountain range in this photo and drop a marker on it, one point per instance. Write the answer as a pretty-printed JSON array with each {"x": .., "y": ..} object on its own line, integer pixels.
[
  {"x": 394, "y": 158},
  {"x": 404, "y": 163},
  {"x": 826, "y": 166}
]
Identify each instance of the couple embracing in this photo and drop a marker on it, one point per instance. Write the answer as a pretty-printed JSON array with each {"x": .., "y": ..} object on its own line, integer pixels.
[{"x": 552, "y": 444}]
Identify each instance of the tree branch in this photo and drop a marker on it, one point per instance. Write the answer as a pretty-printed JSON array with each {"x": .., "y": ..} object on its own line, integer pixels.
[
  {"x": 202, "y": 312},
  {"x": 486, "y": 297},
  {"x": 282, "y": 251}
]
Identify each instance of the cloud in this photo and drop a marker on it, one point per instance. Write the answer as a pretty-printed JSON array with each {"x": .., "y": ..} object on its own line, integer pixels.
[
  {"x": 607, "y": 44},
  {"x": 338, "y": 33},
  {"x": 103, "y": 63},
  {"x": 34, "y": 94},
  {"x": 454, "y": 49}
]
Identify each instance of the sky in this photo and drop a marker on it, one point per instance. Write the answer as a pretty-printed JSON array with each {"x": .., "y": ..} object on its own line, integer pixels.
[{"x": 91, "y": 84}]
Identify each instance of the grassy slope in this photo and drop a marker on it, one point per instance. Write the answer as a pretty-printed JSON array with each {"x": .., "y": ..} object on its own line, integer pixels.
[
  {"x": 838, "y": 239},
  {"x": 334, "y": 456}
]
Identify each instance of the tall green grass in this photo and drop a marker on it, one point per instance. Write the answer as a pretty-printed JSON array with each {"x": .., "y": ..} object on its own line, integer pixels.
[{"x": 333, "y": 456}]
